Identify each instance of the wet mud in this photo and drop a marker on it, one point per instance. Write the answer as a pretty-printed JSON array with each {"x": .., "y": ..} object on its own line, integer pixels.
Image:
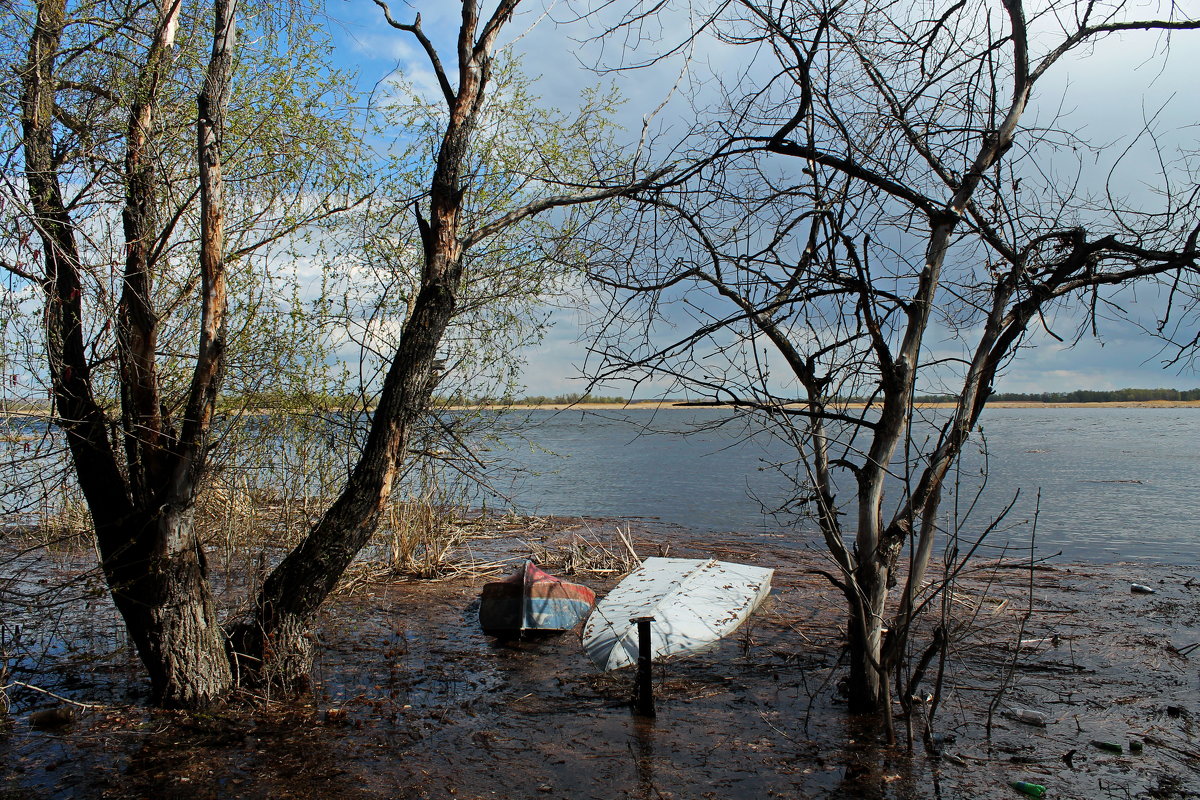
[{"x": 411, "y": 700}]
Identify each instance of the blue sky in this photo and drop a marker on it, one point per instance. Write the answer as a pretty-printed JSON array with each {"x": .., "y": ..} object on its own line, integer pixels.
[{"x": 1107, "y": 97}]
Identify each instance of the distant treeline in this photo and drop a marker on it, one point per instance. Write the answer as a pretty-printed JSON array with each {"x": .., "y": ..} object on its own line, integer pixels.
[
  {"x": 268, "y": 400},
  {"x": 1084, "y": 396},
  {"x": 535, "y": 400}
]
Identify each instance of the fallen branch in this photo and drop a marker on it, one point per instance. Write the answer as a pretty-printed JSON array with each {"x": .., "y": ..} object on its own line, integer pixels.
[
  {"x": 1183, "y": 651},
  {"x": 59, "y": 697}
]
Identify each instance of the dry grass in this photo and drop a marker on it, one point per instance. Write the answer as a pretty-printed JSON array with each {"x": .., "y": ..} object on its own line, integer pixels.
[
  {"x": 241, "y": 526},
  {"x": 64, "y": 526},
  {"x": 588, "y": 553},
  {"x": 419, "y": 538}
]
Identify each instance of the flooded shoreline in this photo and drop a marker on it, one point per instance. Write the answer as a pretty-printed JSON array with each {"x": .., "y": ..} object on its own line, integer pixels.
[{"x": 411, "y": 699}]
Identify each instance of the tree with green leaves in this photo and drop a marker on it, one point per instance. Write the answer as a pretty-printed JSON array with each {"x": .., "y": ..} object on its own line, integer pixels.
[
  {"x": 458, "y": 214},
  {"x": 141, "y": 244},
  {"x": 139, "y": 187}
]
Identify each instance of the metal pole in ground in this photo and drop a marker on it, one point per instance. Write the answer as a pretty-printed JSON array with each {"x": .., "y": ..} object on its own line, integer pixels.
[{"x": 643, "y": 689}]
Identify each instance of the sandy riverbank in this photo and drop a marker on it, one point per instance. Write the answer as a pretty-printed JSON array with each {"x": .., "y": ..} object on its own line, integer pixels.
[{"x": 6, "y": 414}]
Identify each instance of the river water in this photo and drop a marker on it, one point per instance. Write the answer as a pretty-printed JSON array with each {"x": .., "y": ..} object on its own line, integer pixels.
[
  {"x": 1107, "y": 484},
  {"x": 1115, "y": 484}
]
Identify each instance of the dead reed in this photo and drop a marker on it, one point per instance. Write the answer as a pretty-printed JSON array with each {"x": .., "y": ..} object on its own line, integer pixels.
[
  {"x": 588, "y": 552},
  {"x": 420, "y": 536}
]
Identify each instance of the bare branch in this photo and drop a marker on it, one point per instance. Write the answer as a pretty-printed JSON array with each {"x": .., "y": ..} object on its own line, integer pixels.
[
  {"x": 539, "y": 206},
  {"x": 850, "y": 168},
  {"x": 1087, "y": 32},
  {"x": 19, "y": 272},
  {"x": 430, "y": 51}
]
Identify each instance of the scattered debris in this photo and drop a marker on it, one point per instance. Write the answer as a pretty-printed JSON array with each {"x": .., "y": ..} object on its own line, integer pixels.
[
  {"x": 1029, "y": 717},
  {"x": 1031, "y": 789},
  {"x": 49, "y": 719}
]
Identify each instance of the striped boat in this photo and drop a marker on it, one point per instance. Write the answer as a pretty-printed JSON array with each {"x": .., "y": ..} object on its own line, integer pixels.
[{"x": 532, "y": 600}]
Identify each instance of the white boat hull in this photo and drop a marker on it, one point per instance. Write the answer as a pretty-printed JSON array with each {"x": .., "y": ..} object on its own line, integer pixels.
[{"x": 694, "y": 603}]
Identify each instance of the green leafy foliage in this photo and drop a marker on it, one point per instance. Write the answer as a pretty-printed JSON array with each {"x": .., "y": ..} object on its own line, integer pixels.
[{"x": 523, "y": 152}]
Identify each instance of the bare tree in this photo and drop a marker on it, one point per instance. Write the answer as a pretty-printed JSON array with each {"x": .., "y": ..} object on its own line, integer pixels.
[{"x": 873, "y": 201}]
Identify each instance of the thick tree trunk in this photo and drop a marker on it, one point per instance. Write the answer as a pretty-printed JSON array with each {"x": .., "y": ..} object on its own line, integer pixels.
[
  {"x": 143, "y": 515},
  {"x": 166, "y": 601},
  {"x": 274, "y": 647},
  {"x": 158, "y": 578}
]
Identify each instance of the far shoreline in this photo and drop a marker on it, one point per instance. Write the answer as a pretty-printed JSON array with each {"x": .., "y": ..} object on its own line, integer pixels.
[
  {"x": 659, "y": 405},
  {"x": 670, "y": 405}
]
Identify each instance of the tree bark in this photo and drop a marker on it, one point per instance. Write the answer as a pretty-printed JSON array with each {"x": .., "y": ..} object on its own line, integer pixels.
[
  {"x": 157, "y": 575},
  {"x": 274, "y": 647},
  {"x": 143, "y": 514}
]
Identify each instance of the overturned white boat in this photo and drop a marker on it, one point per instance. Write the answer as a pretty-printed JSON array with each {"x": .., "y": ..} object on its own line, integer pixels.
[{"x": 694, "y": 603}]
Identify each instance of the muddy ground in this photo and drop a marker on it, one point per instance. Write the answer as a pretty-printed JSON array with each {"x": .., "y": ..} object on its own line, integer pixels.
[{"x": 411, "y": 700}]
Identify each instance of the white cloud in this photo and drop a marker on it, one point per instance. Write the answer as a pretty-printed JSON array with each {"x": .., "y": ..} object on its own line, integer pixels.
[{"x": 1105, "y": 93}]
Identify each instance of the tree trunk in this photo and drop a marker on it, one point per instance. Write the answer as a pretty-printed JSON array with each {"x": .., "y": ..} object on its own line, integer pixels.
[
  {"x": 865, "y": 638},
  {"x": 143, "y": 514},
  {"x": 274, "y": 647},
  {"x": 158, "y": 578}
]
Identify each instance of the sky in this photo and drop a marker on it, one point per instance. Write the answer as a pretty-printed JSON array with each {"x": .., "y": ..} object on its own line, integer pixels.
[{"x": 1107, "y": 96}]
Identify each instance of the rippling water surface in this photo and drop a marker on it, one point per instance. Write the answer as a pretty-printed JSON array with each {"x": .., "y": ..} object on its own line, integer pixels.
[
  {"x": 1109, "y": 484},
  {"x": 1114, "y": 483}
]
